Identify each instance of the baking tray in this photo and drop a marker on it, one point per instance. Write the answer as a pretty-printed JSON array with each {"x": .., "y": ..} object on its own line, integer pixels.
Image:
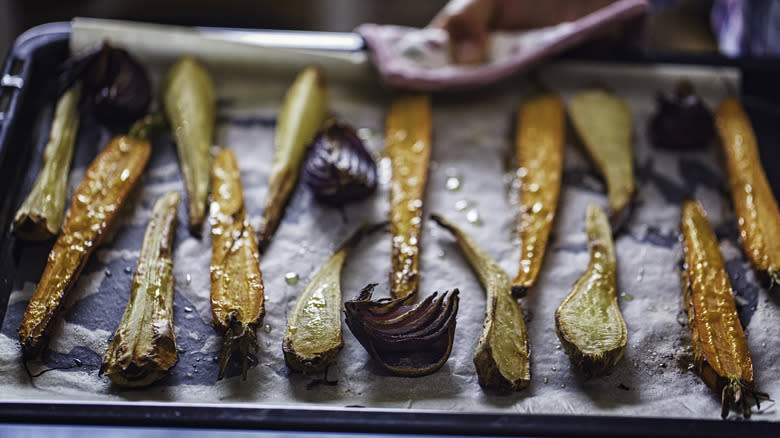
[{"x": 25, "y": 109}]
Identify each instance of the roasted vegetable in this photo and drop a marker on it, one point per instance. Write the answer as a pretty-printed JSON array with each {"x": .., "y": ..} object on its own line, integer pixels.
[
  {"x": 40, "y": 216},
  {"x": 406, "y": 340},
  {"x": 338, "y": 168},
  {"x": 237, "y": 299},
  {"x": 721, "y": 354},
  {"x": 408, "y": 144},
  {"x": 501, "y": 357},
  {"x": 754, "y": 203},
  {"x": 302, "y": 115},
  {"x": 313, "y": 336},
  {"x": 588, "y": 321},
  {"x": 144, "y": 346},
  {"x": 96, "y": 203},
  {"x": 116, "y": 87},
  {"x": 541, "y": 129},
  {"x": 190, "y": 103},
  {"x": 681, "y": 121},
  {"x": 603, "y": 123}
]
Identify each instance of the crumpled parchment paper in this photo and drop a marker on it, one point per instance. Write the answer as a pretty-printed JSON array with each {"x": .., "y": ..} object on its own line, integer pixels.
[{"x": 472, "y": 144}]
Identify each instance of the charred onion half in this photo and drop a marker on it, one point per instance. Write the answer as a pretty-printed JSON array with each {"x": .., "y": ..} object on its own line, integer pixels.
[
  {"x": 338, "y": 168},
  {"x": 407, "y": 340},
  {"x": 117, "y": 88}
]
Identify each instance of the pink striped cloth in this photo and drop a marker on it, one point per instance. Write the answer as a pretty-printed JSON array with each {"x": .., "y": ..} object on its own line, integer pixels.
[{"x": 419, "y": 59}]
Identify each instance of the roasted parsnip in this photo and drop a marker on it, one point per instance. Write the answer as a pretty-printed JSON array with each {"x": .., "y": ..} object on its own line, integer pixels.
[
  {"x": 541, "y": 128},
  {"x": 502, "y": 354},
  {"x": 754, "y": 203},
  {"x": 303, "y": 113},
  {"x": 313, "y": 335},
  {"x": 237, "y": 300},
  {"x": 408, "y": 144},
  {"x": 588, "y": 321},
  {"x": 105, "y": 187},
  {"x": 41, "y": 214},
  {"x": 603, "y": 123},
  {"x": 721, "y": 353},
  {"x": 189, "y": 100},
  {"x": 143, "y": 348}
]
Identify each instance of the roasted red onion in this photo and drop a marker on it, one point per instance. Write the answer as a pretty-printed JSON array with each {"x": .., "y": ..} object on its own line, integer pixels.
[
  {"x": 338, "y": 168},
  {"x": 681, "y": 121},
  {"x": 407, "y": 340},
  {"x": 116, "y": 87}
]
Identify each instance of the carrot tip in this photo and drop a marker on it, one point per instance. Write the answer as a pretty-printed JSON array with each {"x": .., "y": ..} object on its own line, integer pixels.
[{"x": 242, "y": 337}]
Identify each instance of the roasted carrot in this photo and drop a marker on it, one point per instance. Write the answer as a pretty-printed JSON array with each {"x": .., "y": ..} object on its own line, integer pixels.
[
  {"x": 588, "y": 321},
  {"x": 756, "y": 207},
  {"x": 189, "y": 100},
  {"x": 40, "y": 215},
  {"x": 603, "y": 122},
  {"x": 301, "y": 116},
  {"x": 721, "y": 353},
  {"x": 96, "y": 203},
  {"x": 408, "y": 144},
  {"x": 313, "y": 338},
  {"x": 237, "y": 300},
  {"x": 143, "y": 348},
  {"x": 502, "y": 354},
  {"x": 539, "y": 144}
]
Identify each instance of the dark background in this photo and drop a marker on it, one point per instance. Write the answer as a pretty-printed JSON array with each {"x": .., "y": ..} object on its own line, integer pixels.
[{"x": 683, "y": 26}]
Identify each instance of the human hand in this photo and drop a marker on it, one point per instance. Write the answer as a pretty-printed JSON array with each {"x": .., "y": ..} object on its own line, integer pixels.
[{"x": 469, "y": 22}]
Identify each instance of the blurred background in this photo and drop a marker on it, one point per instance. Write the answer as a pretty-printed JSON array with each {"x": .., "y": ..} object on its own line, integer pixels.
[{"x": 677, "y": 25}]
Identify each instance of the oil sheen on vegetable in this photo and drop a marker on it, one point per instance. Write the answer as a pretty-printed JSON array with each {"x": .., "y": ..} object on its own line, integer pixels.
[
  {"x": 758, "y": 216},
  {"x": 539, "y": 142},
  {"x": 588, "y": 321},
  {"x": 237, "y": 291},
  {"x": 96, "y": 203},
  {"x": 502, "y": 354},
  {"x": 143, "y": 348},
  {"x": 721, "y": 354}
]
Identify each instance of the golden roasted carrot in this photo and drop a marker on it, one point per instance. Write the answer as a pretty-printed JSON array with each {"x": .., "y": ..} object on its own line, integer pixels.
[
  {"x": 301, "y": 116},
  {"x": 721, "y": 353},
  {"x": 143, "y": 348},
  {"x": 756, "y": 207},
  {"x": 408, "y": 144},
  {"x": 237, "y": 300},
  {"x": 603, "y": 122},
  {"x": 189, "y": 100},
  {"x": 541, "y": 128},
  {"x": 588, "y": 321},
  {"x": 105, "y": 187},
  {"x": 40, "y": 215}
]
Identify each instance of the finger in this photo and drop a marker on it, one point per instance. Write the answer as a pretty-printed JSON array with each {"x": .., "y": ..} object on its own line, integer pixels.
[{"x": 468, "y": 40}]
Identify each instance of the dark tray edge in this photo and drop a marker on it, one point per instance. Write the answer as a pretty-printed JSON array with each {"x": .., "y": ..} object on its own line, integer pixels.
[{"x": 353, "y": 419}]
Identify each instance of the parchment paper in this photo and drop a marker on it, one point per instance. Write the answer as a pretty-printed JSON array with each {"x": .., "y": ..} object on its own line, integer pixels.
[{"x": 472, "y": 143}]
